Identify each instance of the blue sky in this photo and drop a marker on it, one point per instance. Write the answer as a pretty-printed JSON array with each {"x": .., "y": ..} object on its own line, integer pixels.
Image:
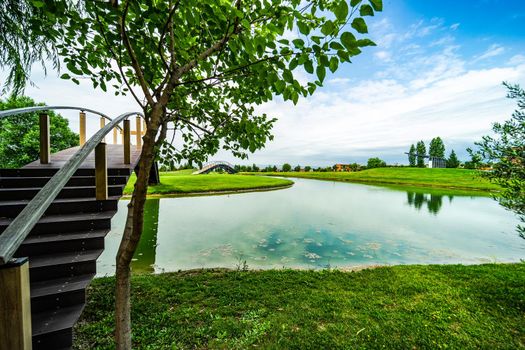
[{"x": 437, "y": 71}]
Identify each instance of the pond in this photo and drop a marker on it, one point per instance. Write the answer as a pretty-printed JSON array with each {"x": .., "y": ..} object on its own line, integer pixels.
[{"x": 318, "y": 224}]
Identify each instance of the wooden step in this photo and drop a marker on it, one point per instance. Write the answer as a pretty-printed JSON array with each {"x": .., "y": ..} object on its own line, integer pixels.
[
  {"x": 48, "y": 172},
  {"x": 53, "y": 330},
  {"x": 39, "y": 182},
  {"x": 67, "y": 264},
  {"x": 67, "y": 223},
  {"x": 62, "y": 242},
  {"x": 10, "y": 209},
  {"x": 59, "y": 293},
  {"x": 67, "y": 192}
]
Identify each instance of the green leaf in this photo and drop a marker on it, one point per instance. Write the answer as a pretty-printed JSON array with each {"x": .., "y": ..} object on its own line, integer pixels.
[
  {"x": 365, "y": 42},
  {"x": 65, "y": 76},
  {"x": 366, "y": 10},
  {"x": 37, "y": 3},
  {"x": 359, "y": 25},
  {"x": 334, "y": 63},
  {"x": 298, "y": 43},
  {"x": 327, "y": 28},
  {"x": 321, "y": 73},
  {"x": 308, "y": 67},
  {"x": 288, "y": 76},
  {"x": 295, "y": 97},
  {"x": 354, "y": 3},
  {"x": 73, "y": 69},
  {"x": 336, "y": 46},
  {"x": 348, "y": 40},
  {"x": 377, "y": 4},
  {"x": 341, "y": 11},
  {"x": 293, "y": 64},
  {"x": 303, "y": 28}
]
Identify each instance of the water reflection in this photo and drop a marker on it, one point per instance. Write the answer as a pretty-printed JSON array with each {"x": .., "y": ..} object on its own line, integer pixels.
[
  {"x": 144, "y": 259},
  {"x": 434, "y": 202},
  {"x": 316, "y": 224}
]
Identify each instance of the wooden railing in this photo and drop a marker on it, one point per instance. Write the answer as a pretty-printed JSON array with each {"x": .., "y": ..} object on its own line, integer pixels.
[
  {"x": 15, "y": 318},
  {"x": 20, "y": 227}
]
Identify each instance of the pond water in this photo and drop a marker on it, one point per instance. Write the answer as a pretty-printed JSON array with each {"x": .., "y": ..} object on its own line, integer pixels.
[{"x": 318, "y": 224}]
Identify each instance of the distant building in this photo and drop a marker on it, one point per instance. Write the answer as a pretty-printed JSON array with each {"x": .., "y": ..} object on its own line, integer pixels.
[
  {"x": 433, "y": 162},
  {"x": 437, "y": 162}
]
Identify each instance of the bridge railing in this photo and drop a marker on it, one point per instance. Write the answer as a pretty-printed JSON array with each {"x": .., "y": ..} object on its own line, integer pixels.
[
  {"x": 14, "y": 273},
  {"x": 20, "y": 227}
]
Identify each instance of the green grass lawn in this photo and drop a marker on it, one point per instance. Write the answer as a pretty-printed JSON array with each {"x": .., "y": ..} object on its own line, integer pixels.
[
  {"x": 443, "y": 178},
  {"x": 182, "y": 182},
  {"x": 400, "y": 307}
]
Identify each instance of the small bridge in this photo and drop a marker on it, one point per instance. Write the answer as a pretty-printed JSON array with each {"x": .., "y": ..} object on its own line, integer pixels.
[
  {"x": 211, "y": 166},
  {"x": 54, "y": 215}
]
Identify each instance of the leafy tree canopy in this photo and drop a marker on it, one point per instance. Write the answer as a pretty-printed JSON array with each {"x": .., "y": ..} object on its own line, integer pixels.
[
  {"x": 436, "y": 148},
  {"x": 412, "y": 156},
  {"x": 28, "y": 33},
  {"x": 286, "y": 167},
  {"x": 421, "y": 150},
  {"x": 375, "y": 163},
  {"x": 453, "y": 161},
  {"x": 507, "y": 150},
  {"x": 20, "y": 134}
]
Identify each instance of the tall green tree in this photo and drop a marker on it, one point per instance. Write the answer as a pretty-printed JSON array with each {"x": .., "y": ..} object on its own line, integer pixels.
[
  {"x": 199, "y": 68},
  {"x": 421, "y": 151},
  {"x": 412, "y": 156},
  {"x": 507, "y": 151},
  {"x": 19, "y": 135},
  {"x": 375, "y": 163},
  {"x": 453, "y": 161},
  {"x": 286, "y": 167},
  {"x": 436, "y": 148},
  {"x": 29, "y": 33}
]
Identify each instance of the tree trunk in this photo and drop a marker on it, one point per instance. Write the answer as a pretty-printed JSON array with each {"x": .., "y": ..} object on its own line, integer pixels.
[{"x": 132, "y": 233}]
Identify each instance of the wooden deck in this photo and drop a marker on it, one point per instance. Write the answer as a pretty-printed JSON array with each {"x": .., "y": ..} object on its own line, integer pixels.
[{"x": 115, "y": 158}]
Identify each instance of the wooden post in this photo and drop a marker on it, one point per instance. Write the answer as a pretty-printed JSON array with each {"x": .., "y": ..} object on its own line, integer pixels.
[
  {"x": 139, "y": 132},
  {"x": 126, "y": 141},
  {"x": 45, "y": 147},
  {"x": 15, "y": 305},
  {"x": 115, "y": 136},
  {"x": 102, "y": 125},
  {"x": 82, "y": 131},
  {"x": 101, "y": 172}
]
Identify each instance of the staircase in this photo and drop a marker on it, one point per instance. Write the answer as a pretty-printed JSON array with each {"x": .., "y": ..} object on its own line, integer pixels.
[{"x": 63, "y": 246}]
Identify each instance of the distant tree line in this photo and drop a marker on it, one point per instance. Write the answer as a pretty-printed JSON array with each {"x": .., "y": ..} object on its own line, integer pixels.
[{"x": 418, "y": 153}]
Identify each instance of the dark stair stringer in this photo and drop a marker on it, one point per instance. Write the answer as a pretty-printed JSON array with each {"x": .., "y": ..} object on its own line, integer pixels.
[{"x": 62, "y": 247}]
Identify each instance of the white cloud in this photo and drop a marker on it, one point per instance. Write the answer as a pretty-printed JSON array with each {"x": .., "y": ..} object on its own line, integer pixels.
[
  {"x": 455, "y": 26},
  {"x": 492, "y": 51},
  {"x": 382, "y": 117},
  {"x": 385, "y": 56},
  {"x": 517, "y": 60}
]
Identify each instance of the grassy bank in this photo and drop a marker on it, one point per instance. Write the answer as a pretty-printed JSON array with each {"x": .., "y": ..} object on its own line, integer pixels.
[
  {"x": 182, "y": 182},
  {"x": 400, "y": 307},
  {"x": 462, "y": 179}
]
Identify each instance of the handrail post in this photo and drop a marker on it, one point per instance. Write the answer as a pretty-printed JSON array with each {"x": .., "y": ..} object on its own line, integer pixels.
[
  {"x": 45, "y": 149},
  {"x": 115, "y": 136},
  {"x": 101, "y": 172},
  {"x": 139, "y": 132},
  {"x": 126, "y": 142},
  {"x": 15, "y": 305},
  {"x": 102, "y": 125},
  {"x": 82, "y": 128}
]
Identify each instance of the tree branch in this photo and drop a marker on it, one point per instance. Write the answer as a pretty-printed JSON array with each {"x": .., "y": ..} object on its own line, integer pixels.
[{"x": 134, "y": 61}]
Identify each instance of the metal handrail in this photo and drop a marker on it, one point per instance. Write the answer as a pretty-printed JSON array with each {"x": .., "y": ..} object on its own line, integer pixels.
[
  {"x": 45, "y": 108},
  {"x": 20, "y": 227}
]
